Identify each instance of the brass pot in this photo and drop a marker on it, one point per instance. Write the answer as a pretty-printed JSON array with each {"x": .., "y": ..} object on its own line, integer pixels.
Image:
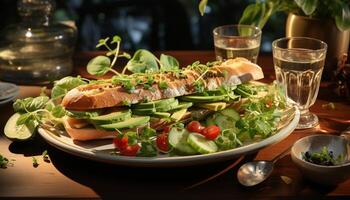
[{"x": 325, "y": 30}]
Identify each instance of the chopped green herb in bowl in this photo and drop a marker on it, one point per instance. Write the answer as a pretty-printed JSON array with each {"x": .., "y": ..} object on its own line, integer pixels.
[{"x": 325, "y": 157}]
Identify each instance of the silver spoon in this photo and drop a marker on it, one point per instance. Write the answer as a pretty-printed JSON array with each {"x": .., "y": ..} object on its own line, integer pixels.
[{"x": 255, "y": 172}]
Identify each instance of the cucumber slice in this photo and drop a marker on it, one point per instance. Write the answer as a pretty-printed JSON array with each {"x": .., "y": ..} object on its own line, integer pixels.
[
  {"x": 178, "y": 139},
  {"x": 224, "y": 122},
  {"x": 201, "y": 144},
  {"x": 129, "y": 123},
  {"x": 153, "y": 104},
  {"x": 201, "y": 99},
  {"x": 168, "y": 107},
  {"x": 232, "y": 113},
  {"x": 182, "y": 105},
  {"x": 144, "y": 111},
  {"x": 161, "y": 114},
  {"x": 18, "y": 132},
  {"x": 111, "y": 117}
]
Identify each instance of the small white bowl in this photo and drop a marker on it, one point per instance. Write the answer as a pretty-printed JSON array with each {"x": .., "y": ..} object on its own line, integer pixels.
[{"x": 327, "y": 175}]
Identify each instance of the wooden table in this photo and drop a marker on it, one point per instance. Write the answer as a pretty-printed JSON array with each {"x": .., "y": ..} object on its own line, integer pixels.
[{"x": 69, "y": 176}]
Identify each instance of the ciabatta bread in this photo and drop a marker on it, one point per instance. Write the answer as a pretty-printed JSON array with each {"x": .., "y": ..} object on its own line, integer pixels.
[{"x": 103, "y": 95}]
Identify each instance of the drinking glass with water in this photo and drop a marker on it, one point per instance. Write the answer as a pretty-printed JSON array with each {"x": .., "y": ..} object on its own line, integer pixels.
[
  {"x": 233, "y": 41},
  {"x": 299, "y": 63}
]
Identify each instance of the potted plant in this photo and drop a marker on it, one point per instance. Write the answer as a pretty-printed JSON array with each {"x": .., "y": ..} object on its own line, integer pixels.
[{"x": 327, "y": 20}]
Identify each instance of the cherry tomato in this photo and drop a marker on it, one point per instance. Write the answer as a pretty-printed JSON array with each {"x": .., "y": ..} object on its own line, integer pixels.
[
  {"x": 130, "y": 150},
  {"x": 211, "y": 132},
  {"x": 166, "y": 129},
  {"x": 162, "y": 142},
  {"x": 195, "y": 126},
  {"x": 121, "y": 142}
]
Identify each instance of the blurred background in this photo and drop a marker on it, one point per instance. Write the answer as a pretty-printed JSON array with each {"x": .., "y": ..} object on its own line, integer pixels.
[{"x": 150, "y": 24}]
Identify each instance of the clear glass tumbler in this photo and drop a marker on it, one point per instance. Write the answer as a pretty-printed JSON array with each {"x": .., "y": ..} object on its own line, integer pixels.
[
  {"x": 299, "y": 63},
  {"x": 233, "y": 41}
]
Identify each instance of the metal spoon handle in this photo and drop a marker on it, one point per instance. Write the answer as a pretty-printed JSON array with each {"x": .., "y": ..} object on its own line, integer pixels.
[{"x": 281, "y": 155}]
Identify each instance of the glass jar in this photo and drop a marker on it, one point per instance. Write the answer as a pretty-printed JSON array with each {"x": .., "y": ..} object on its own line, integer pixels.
[{"x": 36, "y": 51}]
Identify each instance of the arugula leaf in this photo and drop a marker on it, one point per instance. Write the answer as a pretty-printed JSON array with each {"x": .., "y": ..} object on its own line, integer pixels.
[
  {"x": 148, "y": 149},
  {"x": 62, "y": 86},
  {"x": 132, "y": 137},
  {"x": 99, "y": 65},
  {"x": 168, "y": 63},
  {"x": 142, "y": 61},
  {"x": 147, "y": 133}
]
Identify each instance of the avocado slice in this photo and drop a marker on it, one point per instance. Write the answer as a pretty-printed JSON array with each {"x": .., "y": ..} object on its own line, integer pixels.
[
  {"x": 154, "y": 104},
  {"x": 177, "y": 116},
  {"x": 212, "y": 106},
  {"x": 201, "y": 99},
  {"x": 144, "y": 111},
  {"x": 111, "y": 117},
  {"x": 129, "y": 123}
]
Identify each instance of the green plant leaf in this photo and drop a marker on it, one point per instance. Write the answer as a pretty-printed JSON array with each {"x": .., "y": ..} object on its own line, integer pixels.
[
  {"x": 142, "y": 61},
  {"x": 58, "y": 111},
  {"x": 62, "y": 86},
  {"x": 202, "y": 5},
  {"x": 308, "y": 6},
  {"x": 126, "y": 55},
  {"x": 342, "y": 20},
  {"x": 168, "y": 63},
  {"x": 30, "y": 104},
  {"x": 99, "y": 65},
  {"x": 252, "y": 14},
  {"x": 24, "y": 118},
  {"x": 102, "y": 42},
  {"x": 116, "y": 39}
]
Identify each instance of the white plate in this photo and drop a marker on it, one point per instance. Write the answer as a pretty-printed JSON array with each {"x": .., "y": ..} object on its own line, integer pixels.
[{"x": 101, "y": 150}]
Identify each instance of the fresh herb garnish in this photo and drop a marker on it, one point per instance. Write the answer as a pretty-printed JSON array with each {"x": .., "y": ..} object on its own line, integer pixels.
[
  {"x": 325, "y": 157},
  {"x": 45, "y": 156},
  {"x": 4, "y": 162},
  {"x": 100, "y": 65},
  {"x": 163, "y": 85},
  {"x": 262, "y": 114},
  {"x": 35, "y": 162},
  {"x": 228, "y": 139}
]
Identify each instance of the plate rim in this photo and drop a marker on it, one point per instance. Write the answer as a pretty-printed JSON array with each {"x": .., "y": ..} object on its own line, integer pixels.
[{"x": 284, "y": 132}]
